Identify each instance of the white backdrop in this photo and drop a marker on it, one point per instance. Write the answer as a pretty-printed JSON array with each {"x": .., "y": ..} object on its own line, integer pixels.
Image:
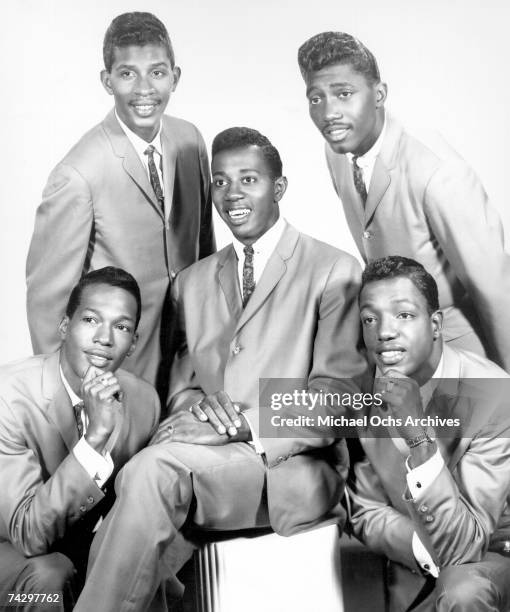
[{"x": 446, "y": 62}]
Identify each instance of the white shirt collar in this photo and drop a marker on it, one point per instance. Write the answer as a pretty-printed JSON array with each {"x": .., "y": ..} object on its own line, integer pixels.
[
  {"x": 139, "y": 144},
  {"x": 266, "y": 244},
  {"x": 367, "y": 160},
  {"x": 75, "y": 400}
]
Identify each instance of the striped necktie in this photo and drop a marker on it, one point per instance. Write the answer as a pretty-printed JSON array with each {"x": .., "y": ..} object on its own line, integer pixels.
[
  {"x": 248, "y": 278},
  {"x": 359, "y": 181},
  {"x": 153, "y": 174}
]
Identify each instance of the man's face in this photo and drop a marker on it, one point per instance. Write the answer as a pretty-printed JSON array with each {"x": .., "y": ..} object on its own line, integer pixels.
[
  {"x": 245, "y": 194},
  {"x": 100, "y": 333},
  {"x": 346, "y": 108},
  {"x": 141, "y": 81},
  {"x": 398, "y": 330}
]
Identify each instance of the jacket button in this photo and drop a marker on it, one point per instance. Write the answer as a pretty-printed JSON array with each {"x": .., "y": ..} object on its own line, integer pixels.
[
  {"x": 236, "y": 350},
  {"x": 173, "y": 274},
  {"x": 429, "y": 518},
  {"x": 90, "y": 500},
  {"x": 280, "y": 459},
  {"x": 83, "y": 508},
  {"x": 367, "y": 235},
  {"x": 426, "y": 566},
  {"x": 423, "y": 508}
]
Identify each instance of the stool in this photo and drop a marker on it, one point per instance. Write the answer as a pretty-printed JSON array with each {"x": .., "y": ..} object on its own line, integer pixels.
[{"x": 271, "y": 573}]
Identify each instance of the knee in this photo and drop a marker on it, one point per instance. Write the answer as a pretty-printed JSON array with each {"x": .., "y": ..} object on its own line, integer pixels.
[
  {"x": 461, "y": 588},
  {"x": 48, "y": 573}
]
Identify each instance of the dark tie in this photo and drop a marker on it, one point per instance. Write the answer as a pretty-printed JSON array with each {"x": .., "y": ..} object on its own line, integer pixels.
[
  {"x": 153, "y": 173},
  {"x": 359, "y": 182},
  {"x": 248, "y": 278},
  {"x": 77, "y": 415}
]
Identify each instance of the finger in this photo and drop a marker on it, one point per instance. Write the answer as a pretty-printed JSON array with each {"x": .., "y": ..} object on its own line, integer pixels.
[
  {"x": 197, "y": 411},
  {"x": 212, "y": 417},
  {"x": 230, "y": 408},
  {"x": 107, "y": 393},
  {"x": 220, "y": 404},
  {"x": 392, "y": 373}
]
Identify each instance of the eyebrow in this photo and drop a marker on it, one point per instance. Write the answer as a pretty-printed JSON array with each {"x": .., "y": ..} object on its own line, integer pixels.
[
  {"x": 330, "y": 86},
  {"x": 396, "y": 301},
  {"x": 241, "y": 170},
  {"x": 133, "y": 66},
  {"x": 122, "y": 317}
]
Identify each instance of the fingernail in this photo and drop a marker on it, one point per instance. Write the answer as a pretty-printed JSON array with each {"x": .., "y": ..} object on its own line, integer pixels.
[
  {"x": 232, "y": 431},
  {"x": 203, "y": 417},
  {"x": 237, "y": 423},
  {"x": 236, "y": 408},
  {"x": 221, "y": 429}
]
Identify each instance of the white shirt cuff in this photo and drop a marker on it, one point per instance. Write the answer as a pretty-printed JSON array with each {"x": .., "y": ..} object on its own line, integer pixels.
[
  {"x": 422, "y": 556},
  {"x": 98, "y": 467},
  {"x": 421, "y": 477},
  {"x": 255, "y": 440}
]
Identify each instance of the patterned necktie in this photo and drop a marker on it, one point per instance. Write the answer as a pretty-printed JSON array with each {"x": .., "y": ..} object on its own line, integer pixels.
[
  {"x": 153, "y": 173},
  {"x": 359, "y": 182},
  {"x": 248, "y": 278},
  {"x": 77, "y": 415}
]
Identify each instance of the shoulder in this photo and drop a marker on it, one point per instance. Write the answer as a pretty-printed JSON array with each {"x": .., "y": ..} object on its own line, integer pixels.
[
  {"x": 21, "y": 369},
  {"x": 476, "y": 366},
  {"x": 181, "y": 130},
  {"x": 323, "y": 255},
  {"x": 133, "y": 384}
]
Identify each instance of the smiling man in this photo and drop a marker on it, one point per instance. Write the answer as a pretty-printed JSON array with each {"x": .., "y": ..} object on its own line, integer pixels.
[
  {"x": 68, "y": 422},
  {"x": 274, "y": 304},
  {"x": 401, "y": 196},
  {"x": 133, "y": 192},
  {"x": 433, "y": 499}
]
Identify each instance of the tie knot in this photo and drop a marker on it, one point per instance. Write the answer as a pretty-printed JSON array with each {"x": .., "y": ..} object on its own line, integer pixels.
[
  {"x": 150, "y": 150},
  {"x": 355, "y": 160},
  {"x": 248, "y": 250}
]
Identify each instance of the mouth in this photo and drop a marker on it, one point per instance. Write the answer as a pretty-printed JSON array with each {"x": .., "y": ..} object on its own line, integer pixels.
[
  {"x": 238, "y": 215},
  {"x": 335, "y": 132},
  {"x": 98, "y": 358},
  {"x": 145, "y": 109},
  {"x": 390, "y": 357}
]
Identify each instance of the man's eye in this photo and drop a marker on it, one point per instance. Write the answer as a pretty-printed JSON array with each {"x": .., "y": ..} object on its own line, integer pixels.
[
  {"x": 405, "y": 315},
  {"x": 249, "y": 179},
  {"x": 158, "y": 73},
  {"x": 345, "y": 94},
  {"x": 88, "y": 319},
  {"x": 368, "y": 320},
  {"x": 126, "y": 74},
  {"x": 124, "y": 328},
  {"x": 219, "y": 182},
  {"x": 315, "y": 100}
]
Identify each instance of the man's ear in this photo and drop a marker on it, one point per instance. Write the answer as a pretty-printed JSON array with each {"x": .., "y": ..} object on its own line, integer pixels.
[
  {"x": 133, "y": 345},
  {"x": 62, "y": 328},
  {"x": 381, "y": 92},
  {"x": 105, "y": 80},
  {"x": 280, "y": 187},
  {"x": 177, "y": 75},
  {"x": 436, "y": 320}
]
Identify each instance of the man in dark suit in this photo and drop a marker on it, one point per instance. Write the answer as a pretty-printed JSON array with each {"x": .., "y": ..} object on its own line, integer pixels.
[
  {"x": 433, "y": 492},
  {"x": 274, "y": 304},
  {"x": 402, "y": 197},
  {"x": 68, "y": 422},
  {"x": 133, "y": 192}
]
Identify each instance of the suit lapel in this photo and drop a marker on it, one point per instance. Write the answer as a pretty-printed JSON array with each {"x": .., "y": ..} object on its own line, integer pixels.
[
  {"x": 383, "y": 167},
  {"x": 60, "y": 410},
  {"x": 169, "y": 168},
  {"x": 228, "y": 281},
  {"x": 273, "y": 272},
  {"x": 131, "y": 162}
]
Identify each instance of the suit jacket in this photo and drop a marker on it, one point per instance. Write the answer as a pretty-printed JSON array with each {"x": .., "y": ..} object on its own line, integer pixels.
[
  {"x": 430, "y": 206},
  {"x": 301, "y": 322},
  {"x": 466, "y": 510},
  {"x": 46, "y": 491},
  {"x": 99, "y": 209}
]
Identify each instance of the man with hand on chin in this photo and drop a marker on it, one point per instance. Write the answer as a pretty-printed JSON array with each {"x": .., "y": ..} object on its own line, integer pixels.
[
  {"x": 237, "y": 312},
  {"x": 434, "y": 501},
  {"x": 68, "y": 422}
]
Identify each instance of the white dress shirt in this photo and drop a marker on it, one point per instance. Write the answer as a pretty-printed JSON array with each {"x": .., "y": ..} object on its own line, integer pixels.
[
  {"x": 367, "y": 161},
  {"x": 98, "y": 466},
  {"x": 140, "y": 146}
]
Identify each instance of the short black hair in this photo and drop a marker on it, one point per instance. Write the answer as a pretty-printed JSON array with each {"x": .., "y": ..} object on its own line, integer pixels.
[
  {"x": 115, "y": 277},
  {"x": 329, "y": 48},
  {"x": 395, "y": 266},
  {"x": 135, "y": 28},
  {"x": 238, "y": 137}
]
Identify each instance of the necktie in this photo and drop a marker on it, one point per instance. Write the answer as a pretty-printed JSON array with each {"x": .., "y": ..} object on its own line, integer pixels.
[
  {"x": 359, "y": 182},
  {"x": 153, "y": 173},
  {"x": 248, "y": 278},
  {"x": 77, "y": 415}
]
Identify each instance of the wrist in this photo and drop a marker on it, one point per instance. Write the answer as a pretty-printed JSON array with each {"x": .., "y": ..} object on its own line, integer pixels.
[
  {"x": 97, "y": 439},
  {"x": 422, "y": 453}
]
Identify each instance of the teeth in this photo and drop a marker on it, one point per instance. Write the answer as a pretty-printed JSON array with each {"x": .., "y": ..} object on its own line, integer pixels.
[
  {"x": 145, "y": 108},
  {"x": 238, "y": 213},
  {"x": 391, "y": 354}
]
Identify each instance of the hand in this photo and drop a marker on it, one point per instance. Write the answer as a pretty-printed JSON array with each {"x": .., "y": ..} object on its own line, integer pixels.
[
  {"x": 402, "y": 398},
  {"x": 220, "y": 411},
  {"x": 102, "y": 397}
]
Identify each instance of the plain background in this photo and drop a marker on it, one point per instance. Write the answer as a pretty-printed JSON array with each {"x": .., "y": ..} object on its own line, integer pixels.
[{"x": 446, "y": 63}]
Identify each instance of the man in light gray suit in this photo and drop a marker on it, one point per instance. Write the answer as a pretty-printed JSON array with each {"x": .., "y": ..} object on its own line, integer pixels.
[{"x": 401, "y": 197}]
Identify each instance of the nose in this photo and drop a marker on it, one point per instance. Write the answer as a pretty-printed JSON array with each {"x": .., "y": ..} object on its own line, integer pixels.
[
  {"x": 387, "y": 328},
  {"x": 234, "y": 192},
  {"x": 332, "y": 108},
  {"x": 104, "y": 335},
  {"x": 144, "y": 85}
]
